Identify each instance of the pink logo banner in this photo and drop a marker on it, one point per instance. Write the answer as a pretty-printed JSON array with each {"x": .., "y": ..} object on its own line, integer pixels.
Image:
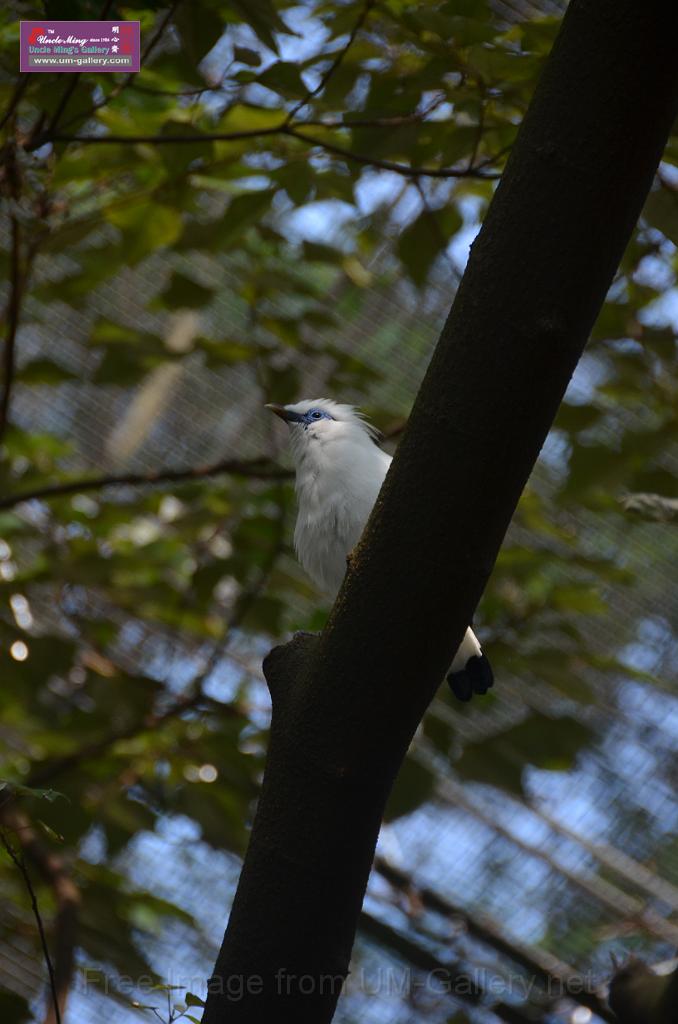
[{"x": 69, "y": 46}]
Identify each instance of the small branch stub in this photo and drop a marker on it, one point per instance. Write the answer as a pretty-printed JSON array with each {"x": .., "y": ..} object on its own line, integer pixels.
[{"x": 288, "y": 666}]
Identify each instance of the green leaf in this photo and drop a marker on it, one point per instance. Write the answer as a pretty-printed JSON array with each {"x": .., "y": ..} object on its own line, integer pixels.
[
  {"x": 246, "y": 56},
  {"x": 454, "y": 27},
  {"x": 146, "y": 227},
  {"x": 284, "y": 78},
  {"x": 127, "y": 353},
  {"x": 14, "y": 1009},
  {"x": 44, "y": 371},
  {"x": 172, "y": 71},
  {"x": 298, "y": 180},
  {"x": 39, "y": 448},
  {"x": 591, "y": 468},
  {"x": 243, "y": 212},
  {"x": 498, "y": 65},
  {"x": 49, "y": 831},
  {"x": 425, "y": 238},
  {"x": 178, "y": 158},
  {"x": 199, "y": 28},
  {"x": 574, "y": 418},
  {"x": 262, "y": 16},
  {"x": 239, "y": 118},
  {"x": 582, "y": 599},
  {"x": 316, "y": 252},
  {"x": 107, "y": 332},
  {"x": 661, "y": 211},
  {"x": 96, "y": 265},
  {"x": 224, "y": 353},
  {"x": 28, "y": 791},
  {"x": 414, "y": 785},
  {"x": 547, "y": 743},
  {"x": 182, "y": 292},
  {"x": 192, "y": 1000}
]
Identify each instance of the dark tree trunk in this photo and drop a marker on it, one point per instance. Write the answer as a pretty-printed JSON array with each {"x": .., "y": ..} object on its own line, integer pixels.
[{"x": 345, "y": 707}]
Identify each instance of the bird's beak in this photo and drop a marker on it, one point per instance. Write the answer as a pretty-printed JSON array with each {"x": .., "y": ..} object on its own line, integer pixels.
[
  {"x": 286, "y": 414},
  {"x": 279, "y": 410}
]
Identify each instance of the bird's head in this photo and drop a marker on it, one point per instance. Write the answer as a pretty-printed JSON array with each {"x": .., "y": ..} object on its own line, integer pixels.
[{"x": 319, "y": 422}]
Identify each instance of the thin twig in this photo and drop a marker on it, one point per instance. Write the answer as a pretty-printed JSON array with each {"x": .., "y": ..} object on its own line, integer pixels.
[
  {"x": 434, "y": 220},
  {"x": 19, "y": 90},
  {"x": 393, "y": 121},
  {"x": 72, "y": 85},
  {"x": 157, "y": 36},
  {"x": 13, "y": 310},
  {"x": 324, "y": 79},
  {"x": 128, "y": 79},
  {"x": 20, "y": 269},
  {"x": 479, "y": 133},
  {"x": 174, "y": 92},
  {"x": 20, "y": 864},
  {"x": 256, "y": 469},
  {"x": 389, "y": 165},
  {"x": 68, "y": 92}
]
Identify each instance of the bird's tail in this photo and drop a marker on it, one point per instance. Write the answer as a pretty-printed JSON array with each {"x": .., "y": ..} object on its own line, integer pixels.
[{"x": 471, "y": 671}]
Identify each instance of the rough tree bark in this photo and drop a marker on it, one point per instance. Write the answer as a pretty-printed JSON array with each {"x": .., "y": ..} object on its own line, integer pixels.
[{"x": 346, "y": 705}]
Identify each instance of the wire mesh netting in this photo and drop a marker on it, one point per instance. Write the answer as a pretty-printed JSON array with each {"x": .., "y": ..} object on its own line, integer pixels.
[
  {"x": 587, "y": 854},
  {"x": 530, "y": 835}
]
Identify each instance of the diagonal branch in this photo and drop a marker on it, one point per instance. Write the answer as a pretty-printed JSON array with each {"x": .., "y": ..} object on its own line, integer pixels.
[
  {"x": 260, "y": 468},
  {"x": 293, "y": 131},
  {"x": 156, "y": 140},
  {"x": 547, "y": 968},
  {"x": 453, "y": 979}
]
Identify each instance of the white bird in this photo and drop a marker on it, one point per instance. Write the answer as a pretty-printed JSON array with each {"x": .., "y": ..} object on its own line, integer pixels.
[{"x": 339, "y": 471}]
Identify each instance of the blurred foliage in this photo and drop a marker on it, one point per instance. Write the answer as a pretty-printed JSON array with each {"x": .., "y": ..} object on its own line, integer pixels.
[{"x": 264, "y": 158}]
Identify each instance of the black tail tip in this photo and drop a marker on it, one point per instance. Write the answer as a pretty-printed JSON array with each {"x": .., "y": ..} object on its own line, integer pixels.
[{"x": 475, "y": 677}]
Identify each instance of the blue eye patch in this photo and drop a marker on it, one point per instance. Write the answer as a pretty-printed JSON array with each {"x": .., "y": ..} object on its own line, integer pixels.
[{"x": 313, "y": 415}]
